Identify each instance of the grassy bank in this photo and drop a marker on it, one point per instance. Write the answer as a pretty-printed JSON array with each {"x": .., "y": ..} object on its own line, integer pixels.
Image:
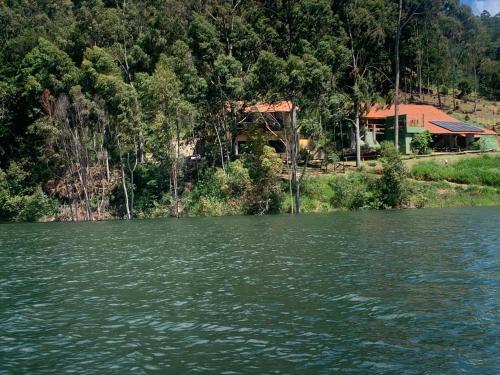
[
  {"x": 256, "y": 186},
  {"x": 473, "y": 181},
  {"x": 484, "y": 170}
]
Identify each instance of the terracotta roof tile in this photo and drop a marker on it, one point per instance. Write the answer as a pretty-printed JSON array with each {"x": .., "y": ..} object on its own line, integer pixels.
[{"x": 418, "y": 115}]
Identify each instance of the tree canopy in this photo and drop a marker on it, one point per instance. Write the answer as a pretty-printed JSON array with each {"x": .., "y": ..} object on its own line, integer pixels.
[{"x": 97, "y": 97}]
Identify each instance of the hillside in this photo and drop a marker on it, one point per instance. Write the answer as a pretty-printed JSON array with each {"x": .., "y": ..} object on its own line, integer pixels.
[{"x": 99, "y": 98}]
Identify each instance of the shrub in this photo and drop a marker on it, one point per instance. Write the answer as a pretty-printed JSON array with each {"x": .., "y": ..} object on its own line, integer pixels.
[
  {"x": 31, "y": 207},
  {"x": 392, "y": 186},
  {"x": 352, "y": 192},
  {"x": 465, "y": 89},
  {"x": 20, "y": 204},
  {"x": 251, "y": 185},
  {"x": 36, "y": 206},
  {"x": 420, "y": 143},
  {"x": 266, "y": 170},
  {"x": 478, "y": 145},
  {"x": 220, "y": 193}
]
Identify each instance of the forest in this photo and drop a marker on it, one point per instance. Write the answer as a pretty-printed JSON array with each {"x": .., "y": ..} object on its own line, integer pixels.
[{"x": 100, "y": 99}]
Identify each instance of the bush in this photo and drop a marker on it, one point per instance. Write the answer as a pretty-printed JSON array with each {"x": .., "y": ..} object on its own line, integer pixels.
[
  {"x": 465, "y": 89},
  {"x": 31, "y": 207},
  {"x": 420, "y": 143},
  {"x": 249, "y": 186},
  {"x": 478, "y": 145},
  {"x": 352, "y": 192},
  {"x": 392, "y": 186},
  {"x": 17, "y": 203},
  {"x": 265, "y": 167},
  {"x": 219, "y": 193}
]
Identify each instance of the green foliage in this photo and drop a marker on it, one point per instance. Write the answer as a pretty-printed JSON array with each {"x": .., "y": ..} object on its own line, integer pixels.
[
  {"x": 18, "y": 203},
  {"x": 484, "y": 170},
  {"x": 151, "y": 183},
  {"x": 444, "y": 90},
  {"x": 205, "y": 38},
  {"x": 352, "y": 192},
  {"x": 30, "y": 207},
  {"x": 465, "y": 89},
  {"x": 479, "y": 145},
  {"x": 265, "y": 169},
  {"x": 219, "y": 193},
  {"x": 95, "y": 86},
  {"x": 420, "y": 143},
  {"x": 393, "y": 187},
  {"x": 47, "y": 67},
  {"x": 443, "y": 194},
  {"x": 249, "y": 186},
  {"x": 490, "y": 78}
]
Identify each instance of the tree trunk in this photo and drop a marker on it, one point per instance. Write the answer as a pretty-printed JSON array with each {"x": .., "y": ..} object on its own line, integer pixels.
[
  {"x": 70, "y": 199},
  {"x": 358, "y": 137},
  {"x": 220, "y": 148},
  {"x": 82, "y": 173},
  {"x": 106, "y": 163},
  {"x": 288, "y": 152},
  {"x": 125, "y": 192},
  {"x": 453, "y": 89},
  {"x": 396, "y": 91},
  {"x": 476, "y": 89},
  {"x": 420, "y": 80},
  {"x": 176, "y": 171},
  {"x": 132, "y": 171},
  {"x": 294, "y": 149}
]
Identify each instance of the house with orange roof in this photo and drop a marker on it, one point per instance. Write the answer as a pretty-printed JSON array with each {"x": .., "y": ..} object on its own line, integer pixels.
[
  {"x": 273, "y": 119},
  {"x": 448, "y": 133}
]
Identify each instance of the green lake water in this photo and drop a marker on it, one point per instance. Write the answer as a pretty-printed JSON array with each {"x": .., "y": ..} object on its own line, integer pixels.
[{"x": 396, "y": 292}]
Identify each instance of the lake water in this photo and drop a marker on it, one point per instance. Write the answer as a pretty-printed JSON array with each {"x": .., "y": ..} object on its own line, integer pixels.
[{"x": 397, "y": 292}]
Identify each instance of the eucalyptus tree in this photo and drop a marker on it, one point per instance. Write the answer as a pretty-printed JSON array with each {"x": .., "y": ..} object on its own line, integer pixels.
[
  {"x": 171, "y": 118},
  {"x": 102, "y": 77},
  {"x": 407, "y": 10},
  {"x": 366, "y": 24},
  {"x": 60, "y": 114},
  {"x": 294, "y": 79}
]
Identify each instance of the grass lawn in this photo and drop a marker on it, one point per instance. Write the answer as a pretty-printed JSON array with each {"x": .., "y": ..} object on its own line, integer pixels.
[{"x": 483, "y": 170}]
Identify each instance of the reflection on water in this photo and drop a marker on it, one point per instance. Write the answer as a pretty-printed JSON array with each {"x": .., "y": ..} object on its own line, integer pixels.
[{"x": 403, "y": 292}]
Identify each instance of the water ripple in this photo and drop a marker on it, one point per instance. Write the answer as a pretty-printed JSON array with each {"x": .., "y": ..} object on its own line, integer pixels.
[{"x": 406, "y": 292}]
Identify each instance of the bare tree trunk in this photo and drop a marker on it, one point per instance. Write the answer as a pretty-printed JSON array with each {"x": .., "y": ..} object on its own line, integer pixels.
[
  {"x": 420, "y": 80},
  {"x": 476, "y": 88},
  {"x": 125, "y": 192},
  {"x": 396, "y": 91},
  {"x": 453, "y": 89},
  {"x": 176, "y": 170},
  {"x": 358, "y": 137},
  {"x": 106, "y": 163},
  {"x": 220, "y": 148},
  {"x": 294, "y": 149},
  {"x": 288, "y": 149},
  {"x": 70, "y": 200},
  {"x": 132, "y": 171},
  {"x": 82, "y": 174}
]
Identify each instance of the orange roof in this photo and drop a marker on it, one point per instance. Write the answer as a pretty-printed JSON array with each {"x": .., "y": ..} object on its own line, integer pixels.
[
  {"x": 418, "y": 114},
  {"x": 264, "y": 107}
]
